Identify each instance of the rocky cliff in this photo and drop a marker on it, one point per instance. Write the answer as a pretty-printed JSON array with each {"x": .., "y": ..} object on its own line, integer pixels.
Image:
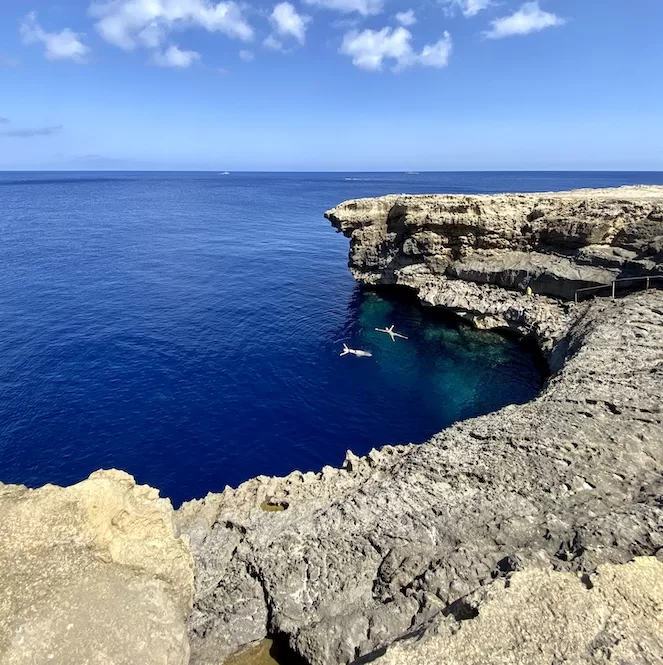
[
  {"x": 358, "y": 557},
  {"x": 92, "y": 573},
  {"x": 455, "y": 250},
  {"x": 539, "y": 617}
]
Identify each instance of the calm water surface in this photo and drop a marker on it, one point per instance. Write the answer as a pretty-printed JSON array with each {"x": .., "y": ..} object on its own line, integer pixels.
[{"x": 185, "y": 327}]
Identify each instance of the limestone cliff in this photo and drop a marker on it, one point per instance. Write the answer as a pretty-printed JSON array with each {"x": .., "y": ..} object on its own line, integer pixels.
[
  {"x": 495, "y": 541},
  {"x": 454, "y": 250},
  {"x": 539, "y": 617}
]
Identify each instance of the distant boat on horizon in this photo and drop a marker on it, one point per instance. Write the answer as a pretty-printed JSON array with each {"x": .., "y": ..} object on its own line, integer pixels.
[
  {"x": 411, "y": 173},
  {"x": 225, "y": 173}
]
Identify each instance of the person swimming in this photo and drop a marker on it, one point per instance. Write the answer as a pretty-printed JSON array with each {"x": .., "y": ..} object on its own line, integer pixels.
[
  {"x": 390, "y": 331},
  {"x": 355, "y": 352}
]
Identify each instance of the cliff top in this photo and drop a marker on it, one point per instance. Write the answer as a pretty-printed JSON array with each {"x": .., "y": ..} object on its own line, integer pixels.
[{"x": 648, "y": 193}]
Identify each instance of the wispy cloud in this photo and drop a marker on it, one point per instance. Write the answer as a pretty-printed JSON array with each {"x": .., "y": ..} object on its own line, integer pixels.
[
  {"x": 3, "y": 120},
  {"x": 64, "y": 45},
  {"x": 173, "y": 56},
  {"x": 246, "y": 55},
  {"x": 288, "y": 23},
  {"x": 529, "y": 18},
  {"x": 363, "y": 7},
  {"x": 129, "y": 24},
  {"x": 346, "y": 23},
  {"x": 468, "y": 8},
  {"x": 370, "y": 49},
  {"x": 29, "y": 133},
  {"x": 406, "y": 18}
]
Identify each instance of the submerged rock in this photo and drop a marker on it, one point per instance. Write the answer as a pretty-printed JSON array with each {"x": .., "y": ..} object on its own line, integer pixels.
[{"x": 92, "y": 573}]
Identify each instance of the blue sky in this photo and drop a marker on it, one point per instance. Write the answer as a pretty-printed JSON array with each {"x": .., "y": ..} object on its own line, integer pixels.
[{"x": 331, "y": 84}]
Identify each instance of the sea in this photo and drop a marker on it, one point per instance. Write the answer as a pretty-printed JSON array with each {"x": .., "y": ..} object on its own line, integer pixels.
[{"x": 186, "y": 328}]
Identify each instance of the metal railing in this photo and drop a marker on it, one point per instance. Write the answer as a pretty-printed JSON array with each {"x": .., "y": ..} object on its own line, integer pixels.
[{"x": 647, "y": 280}]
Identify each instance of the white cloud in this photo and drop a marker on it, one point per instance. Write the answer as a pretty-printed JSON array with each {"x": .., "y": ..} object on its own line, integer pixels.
[
  {"x": 529, "y": 18},
  {"x": 288, "y": 23},
  {"x": 469, "y": 8},
  {"x": 438, "y": 54},
  {"x": 132, "y": 23},
  {"x": 65, "y": 45},
  {"x": 247, "y": 56},
  {"x": 369, "y": 49},
  {"x": 173, "y": 56},
  {"x": 363, "y": 7},
  {"x": 406, "y": 18},
  {"x": 273, "y": 43}
]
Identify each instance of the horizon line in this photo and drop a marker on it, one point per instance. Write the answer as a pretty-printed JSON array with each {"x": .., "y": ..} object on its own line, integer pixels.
[{"x": 401, "y": 172}]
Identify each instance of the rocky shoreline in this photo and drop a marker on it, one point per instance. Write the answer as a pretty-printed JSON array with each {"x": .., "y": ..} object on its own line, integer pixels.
[{"x": 412, "y": 553}]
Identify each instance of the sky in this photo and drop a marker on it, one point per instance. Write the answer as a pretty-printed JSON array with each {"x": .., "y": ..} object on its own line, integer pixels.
[{"x": 375, "y": 85}]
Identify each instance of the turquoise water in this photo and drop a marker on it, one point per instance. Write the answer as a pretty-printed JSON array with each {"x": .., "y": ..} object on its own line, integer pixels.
[{"x": 186, "y": 327}]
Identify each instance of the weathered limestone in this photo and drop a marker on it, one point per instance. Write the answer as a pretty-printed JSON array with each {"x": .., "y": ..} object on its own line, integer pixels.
[
  {"x": 538, "y": 617},
  {"x": 555, "y": 243},
  {"x": 394, "y": 542},
  {"x": 92, "y": 574},
  {"x": 494, "y": 542}
]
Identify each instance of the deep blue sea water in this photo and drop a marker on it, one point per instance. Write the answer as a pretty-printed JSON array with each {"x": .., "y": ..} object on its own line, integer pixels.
[{"x": 185, "y": 327}]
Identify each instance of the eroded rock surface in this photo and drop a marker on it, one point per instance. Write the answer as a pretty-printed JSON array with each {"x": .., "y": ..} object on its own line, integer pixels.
[
  {"x": 368, "y": 553},
  {"x": 92, "y": 574},
  {"x": 538, "y": 617},
  {"x": 454, "y": 249}
]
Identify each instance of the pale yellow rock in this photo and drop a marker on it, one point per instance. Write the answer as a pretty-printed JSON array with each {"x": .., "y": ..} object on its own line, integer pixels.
[
  {"x": 92, "y": 574},
  {"x": 545, "y": 617}
]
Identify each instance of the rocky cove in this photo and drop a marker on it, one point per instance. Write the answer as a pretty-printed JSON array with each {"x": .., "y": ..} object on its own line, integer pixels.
[{"x": 532, "y": 534}]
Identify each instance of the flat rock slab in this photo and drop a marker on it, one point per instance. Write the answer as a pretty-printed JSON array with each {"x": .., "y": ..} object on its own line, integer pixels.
[
  {"x": 539, "y": 617},
  {"x": 92, "y": 574}
]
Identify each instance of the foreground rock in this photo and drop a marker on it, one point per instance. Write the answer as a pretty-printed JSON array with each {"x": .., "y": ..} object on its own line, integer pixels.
[
  {"x": 538, "y": 617},
  {"x": 456, "y": 250},
  {"x": 361, "y": 556},
  {"x": 92, "y": 574}
]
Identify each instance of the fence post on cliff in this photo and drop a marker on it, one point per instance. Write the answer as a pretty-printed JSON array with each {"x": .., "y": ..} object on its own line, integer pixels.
[
  {"x": 614, "y": 287},
  {"x": 647, "y": 284}
]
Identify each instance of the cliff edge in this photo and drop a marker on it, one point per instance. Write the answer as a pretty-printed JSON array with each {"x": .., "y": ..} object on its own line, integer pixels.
[
  {"x": 533, "y": 534},
  {"x": 92, "y": 573},
  {"x": 456, "y": 251}
]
